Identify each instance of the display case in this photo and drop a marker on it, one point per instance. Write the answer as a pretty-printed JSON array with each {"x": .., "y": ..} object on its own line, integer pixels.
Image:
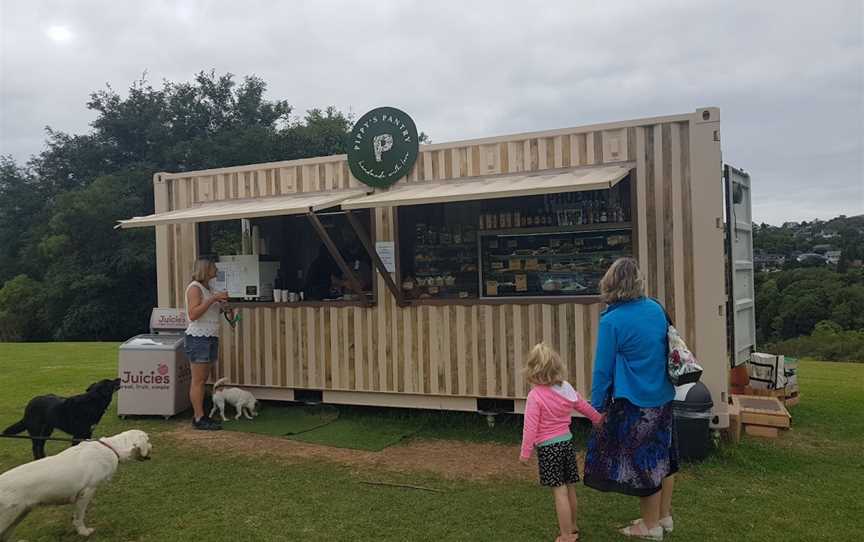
[
  {"x": 544, "y": 245},
  {"x": 439, "y": 256},
  {"x": 444, "y": 270},
  {"x": 569, "y": 261}
]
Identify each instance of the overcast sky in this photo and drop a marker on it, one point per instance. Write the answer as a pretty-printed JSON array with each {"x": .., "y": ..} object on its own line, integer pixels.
[{"x": 788, "y": 76}]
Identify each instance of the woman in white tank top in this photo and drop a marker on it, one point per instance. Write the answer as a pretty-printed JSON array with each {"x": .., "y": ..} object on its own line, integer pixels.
[{"x": 202, "y": 336}]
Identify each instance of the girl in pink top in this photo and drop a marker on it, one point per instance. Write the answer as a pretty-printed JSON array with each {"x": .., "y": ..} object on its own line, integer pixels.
[{"x": 548, "y": 411}]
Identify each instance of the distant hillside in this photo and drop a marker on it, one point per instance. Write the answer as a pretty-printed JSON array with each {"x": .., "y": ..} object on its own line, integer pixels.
[
  {"x": 844, "y": 234},
  {"x": 810, "y": 307}
]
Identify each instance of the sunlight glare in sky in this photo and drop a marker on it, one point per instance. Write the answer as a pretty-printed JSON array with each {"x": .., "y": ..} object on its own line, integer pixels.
[{"x": 59, "y": 33}]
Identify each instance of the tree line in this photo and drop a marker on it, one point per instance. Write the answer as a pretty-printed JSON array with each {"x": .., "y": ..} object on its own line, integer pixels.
[
  {"x": 812, "y": 310},
  {"x": 66, "y": 273}
]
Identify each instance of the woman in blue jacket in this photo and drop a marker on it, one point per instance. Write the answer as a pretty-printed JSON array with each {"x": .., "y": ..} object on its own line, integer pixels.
[{"x": 634, "y": 453}]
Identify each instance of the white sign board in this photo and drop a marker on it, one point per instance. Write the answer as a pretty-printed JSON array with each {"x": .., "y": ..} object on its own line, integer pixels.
[{"x": 387, "y": 252}]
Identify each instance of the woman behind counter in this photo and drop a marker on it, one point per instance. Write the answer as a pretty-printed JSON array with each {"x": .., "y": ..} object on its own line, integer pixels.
[
  {"x": 202, "y": 336},
  {"x": 634, "y": 453}
]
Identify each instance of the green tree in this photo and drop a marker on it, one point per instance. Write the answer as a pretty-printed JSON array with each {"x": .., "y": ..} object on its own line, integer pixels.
[
  {"x": 22, "y": 310},
  {"x": 22, "y": 201},
  {"x": 57, "y": 214}
]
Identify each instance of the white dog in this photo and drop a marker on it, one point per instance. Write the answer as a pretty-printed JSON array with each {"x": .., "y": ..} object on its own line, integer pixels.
[
  {"x": 70, "y": 477},
  {"x": 243, "y": 401}
]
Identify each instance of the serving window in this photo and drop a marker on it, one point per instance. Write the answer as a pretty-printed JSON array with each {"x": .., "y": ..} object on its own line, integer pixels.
[
  {"x": 288, "y": 253},
  {"x": 555, "y": 245}
]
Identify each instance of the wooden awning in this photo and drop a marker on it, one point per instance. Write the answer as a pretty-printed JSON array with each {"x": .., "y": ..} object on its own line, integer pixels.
[
  {"x": 294, "y": 204},
  {"x": 498, "y": 186}
]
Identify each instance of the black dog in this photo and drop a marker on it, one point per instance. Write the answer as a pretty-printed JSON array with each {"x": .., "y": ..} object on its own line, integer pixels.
[{"x": 76, "y": 415}]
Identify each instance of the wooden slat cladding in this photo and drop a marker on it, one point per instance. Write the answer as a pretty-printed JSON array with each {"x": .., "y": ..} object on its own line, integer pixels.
[{"x": 473, "y": 351}]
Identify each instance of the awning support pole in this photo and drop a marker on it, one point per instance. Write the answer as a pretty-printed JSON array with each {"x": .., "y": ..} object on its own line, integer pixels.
[
  {"x": 337, "y": 256},
  {"x": 373, "y": 254}
]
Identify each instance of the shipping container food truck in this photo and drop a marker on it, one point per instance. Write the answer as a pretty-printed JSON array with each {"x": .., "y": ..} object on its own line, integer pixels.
[{"x": 418, "y": 276}]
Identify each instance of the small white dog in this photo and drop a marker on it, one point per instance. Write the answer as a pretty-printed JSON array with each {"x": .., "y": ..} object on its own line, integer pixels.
[
  {"x": 70, "y": 477},
  {"x": 243, "y": 401}
]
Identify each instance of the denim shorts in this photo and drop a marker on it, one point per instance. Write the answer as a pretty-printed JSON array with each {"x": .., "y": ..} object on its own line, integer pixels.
[{"x": 201, "y": 349}]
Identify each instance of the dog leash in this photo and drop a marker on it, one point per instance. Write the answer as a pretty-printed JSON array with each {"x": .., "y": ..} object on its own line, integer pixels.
[{"x": 59, "y": 439}]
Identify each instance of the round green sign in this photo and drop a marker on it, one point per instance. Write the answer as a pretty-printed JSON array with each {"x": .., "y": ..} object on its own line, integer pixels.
[{"x": 383, "y": 147}]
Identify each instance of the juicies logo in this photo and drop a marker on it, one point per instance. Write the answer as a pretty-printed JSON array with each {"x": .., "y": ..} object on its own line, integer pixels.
[
  {"x": 384, "y": 147},
  {"x": 159, "y": 376}
]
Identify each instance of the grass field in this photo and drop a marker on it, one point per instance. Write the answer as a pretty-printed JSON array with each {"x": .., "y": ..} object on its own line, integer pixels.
[{"x": 805, "y": 486}]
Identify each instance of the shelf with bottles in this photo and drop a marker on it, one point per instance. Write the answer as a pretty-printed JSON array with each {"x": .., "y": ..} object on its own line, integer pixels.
[
  {"x": 437, "y": 237},
  {"x": 426, "y": 257},
  {"x": 460, "y": 246},
  {"x": 610, "y": 226},
  {"x": 568, "y": 209},
  {"x": 555, "y": 256},
  {"x": 557, "y": 245}
]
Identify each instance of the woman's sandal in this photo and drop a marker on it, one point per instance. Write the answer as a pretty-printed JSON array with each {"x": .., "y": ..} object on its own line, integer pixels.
[
  {"x": 667, "y": 524},
  {"x": 639, "y": 530}
]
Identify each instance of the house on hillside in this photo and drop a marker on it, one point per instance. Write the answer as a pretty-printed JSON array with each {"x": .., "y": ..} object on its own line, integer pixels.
[
  {"x": 766, "y": 262},
  {"x": 811, "y": 258},
  {"x": 833, "y": 256},
  {"x": 805, "y": 232}
]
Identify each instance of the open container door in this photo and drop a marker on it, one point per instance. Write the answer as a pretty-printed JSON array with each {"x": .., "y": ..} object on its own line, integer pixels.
[{"x": 741, "y": 303}]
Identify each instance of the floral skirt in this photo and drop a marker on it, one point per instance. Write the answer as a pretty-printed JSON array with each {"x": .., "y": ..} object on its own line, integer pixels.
[{"x": 634, "y": 450}]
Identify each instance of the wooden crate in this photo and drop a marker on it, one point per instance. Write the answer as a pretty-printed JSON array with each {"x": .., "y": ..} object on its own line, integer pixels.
[
  {"x": 733, "y": 433},
  {"x": 762, "y": 392},
  {"x": 763, "y": 411}
]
